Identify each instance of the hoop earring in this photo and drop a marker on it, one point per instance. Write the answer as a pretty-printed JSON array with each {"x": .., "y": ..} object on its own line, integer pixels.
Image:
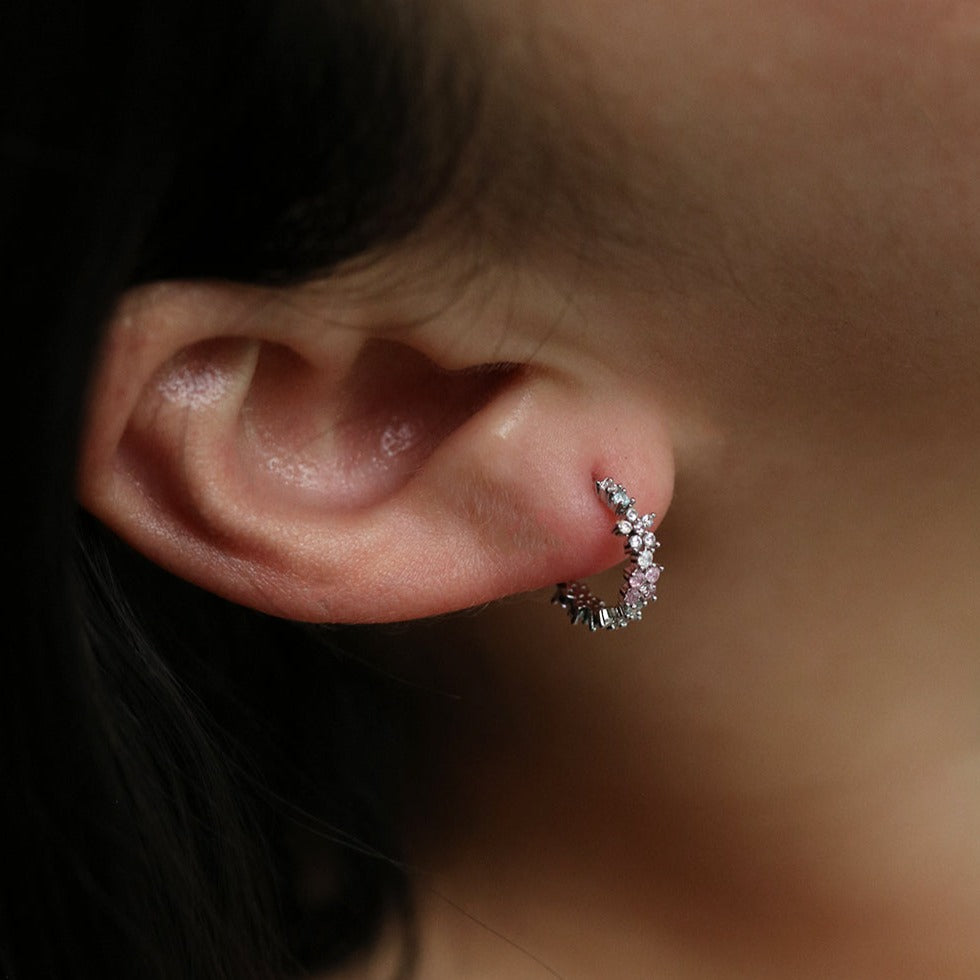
[{"x": 640, "y": 573}]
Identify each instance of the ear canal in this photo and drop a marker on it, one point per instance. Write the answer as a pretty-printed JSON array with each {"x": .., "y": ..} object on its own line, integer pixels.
[{"x": 350, "y": 442}]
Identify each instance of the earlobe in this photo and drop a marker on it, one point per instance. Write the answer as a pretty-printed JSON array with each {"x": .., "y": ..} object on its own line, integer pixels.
[{"x": 324, "y": 472}]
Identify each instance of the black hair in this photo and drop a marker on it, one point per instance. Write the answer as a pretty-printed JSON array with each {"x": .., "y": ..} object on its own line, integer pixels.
[{"x": 172, "y": 765}]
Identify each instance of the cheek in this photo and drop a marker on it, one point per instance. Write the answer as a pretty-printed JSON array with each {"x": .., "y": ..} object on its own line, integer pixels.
[{"x": 780, "y": 146}]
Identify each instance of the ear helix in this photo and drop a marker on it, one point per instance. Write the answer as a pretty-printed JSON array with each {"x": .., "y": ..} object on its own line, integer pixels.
[
  {"x": 640, "y": 574},
  {"x": 338, "y": 476}
]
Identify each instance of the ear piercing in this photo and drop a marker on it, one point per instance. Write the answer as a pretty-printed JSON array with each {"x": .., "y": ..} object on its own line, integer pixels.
[{"x": 640, "y": 574}]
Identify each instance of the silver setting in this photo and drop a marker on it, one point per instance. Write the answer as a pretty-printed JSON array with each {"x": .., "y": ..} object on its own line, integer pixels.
[{"x": 640, "y": 574}]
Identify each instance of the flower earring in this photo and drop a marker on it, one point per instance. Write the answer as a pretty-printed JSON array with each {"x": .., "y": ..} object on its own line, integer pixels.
[{"x": 640, "y": 574}]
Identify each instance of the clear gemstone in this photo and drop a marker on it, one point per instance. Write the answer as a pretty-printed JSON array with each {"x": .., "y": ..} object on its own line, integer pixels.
[
  {"x": 624, "y": 527},
  {"x": 631, "y": 515},
  {"x": 619, "y": 499},
  {"x": 636, "y": 542},
  {"x": 644, "y": 559},
  {"x": 649, "y": 540}
]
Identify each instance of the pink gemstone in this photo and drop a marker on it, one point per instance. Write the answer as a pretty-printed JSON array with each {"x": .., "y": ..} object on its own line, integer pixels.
[
  {"x": 637, "y": 579},
  {"x": 651, "y": 574},
  {"x": 633, "y": 597}
]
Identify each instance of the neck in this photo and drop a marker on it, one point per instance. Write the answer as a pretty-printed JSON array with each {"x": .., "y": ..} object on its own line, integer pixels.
[{"x": 775, "y": 773}]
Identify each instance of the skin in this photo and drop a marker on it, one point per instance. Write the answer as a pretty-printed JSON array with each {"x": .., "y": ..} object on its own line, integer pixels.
[
  {"x": 734, "y": 258},
  {"x": 774, "y": 250}
]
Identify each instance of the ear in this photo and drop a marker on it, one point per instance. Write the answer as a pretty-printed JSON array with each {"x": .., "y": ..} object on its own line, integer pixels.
[{"x": 305, "y": 462}]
